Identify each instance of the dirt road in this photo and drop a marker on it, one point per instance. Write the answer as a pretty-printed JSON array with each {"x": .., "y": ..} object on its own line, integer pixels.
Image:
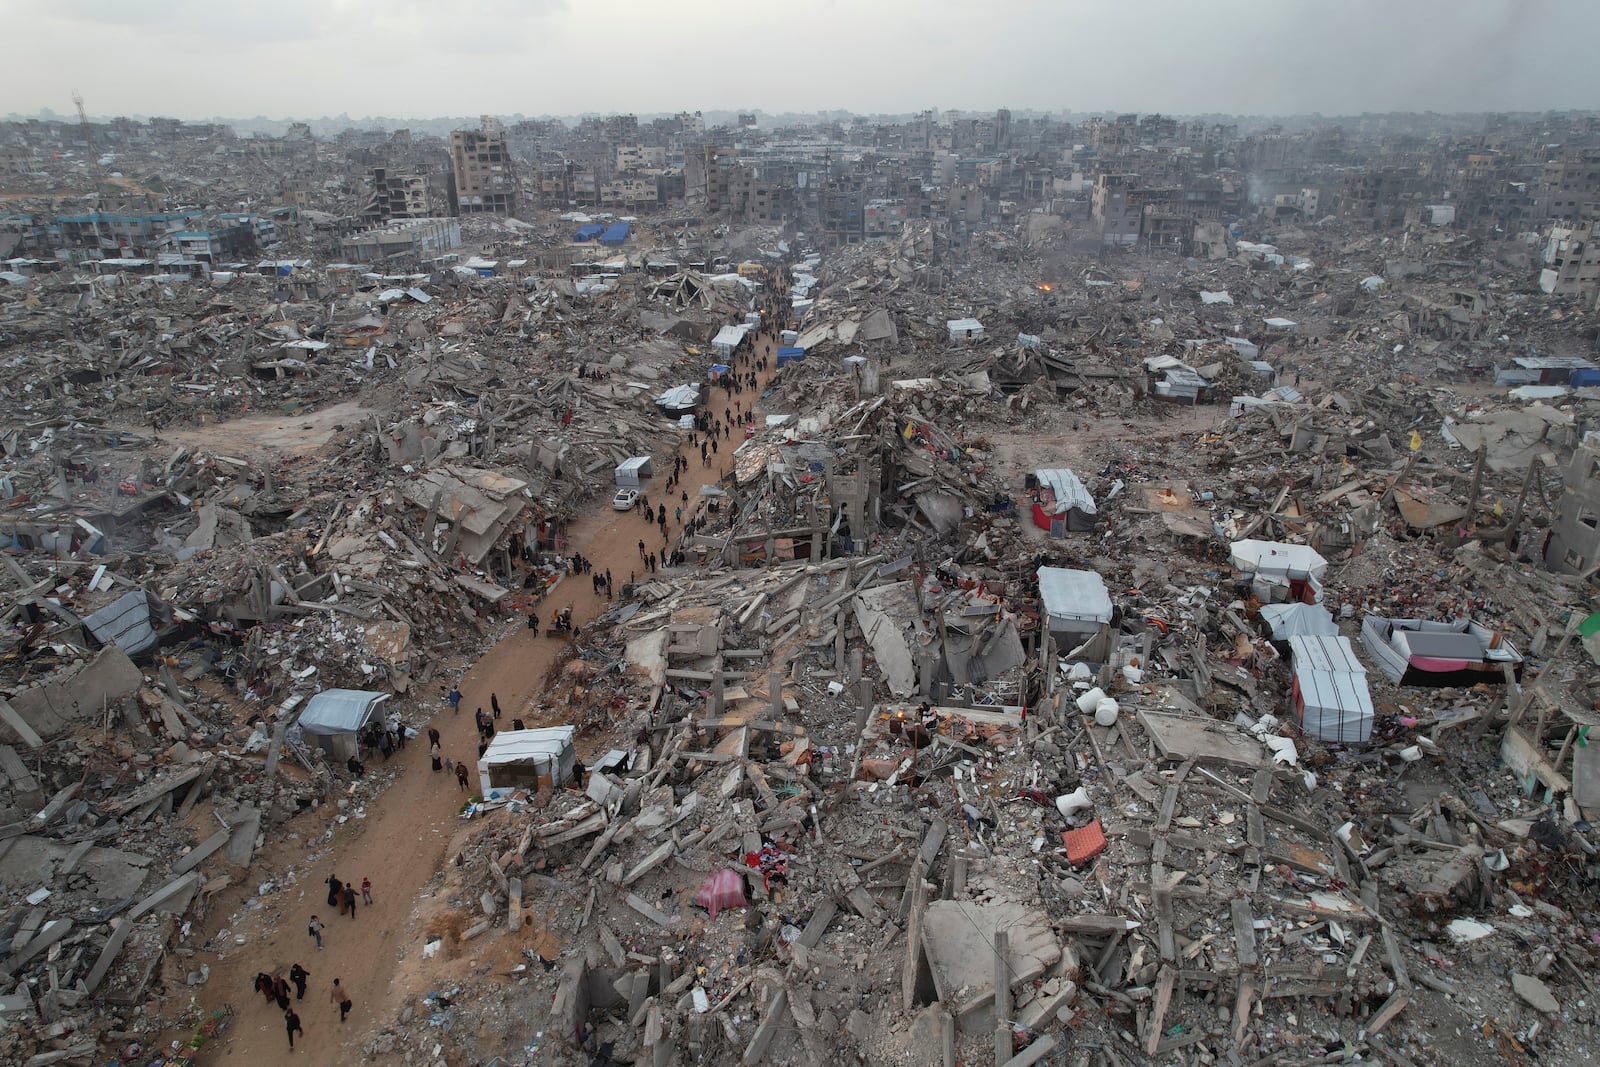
[{"x": 407, "y": 834}]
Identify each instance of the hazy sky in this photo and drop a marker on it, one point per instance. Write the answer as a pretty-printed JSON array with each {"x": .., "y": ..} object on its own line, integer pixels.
[{"x": 423, "y": 58}]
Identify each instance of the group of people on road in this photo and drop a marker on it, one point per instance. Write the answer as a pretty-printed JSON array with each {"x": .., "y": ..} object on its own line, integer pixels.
[{"x": 275, "y": 988}]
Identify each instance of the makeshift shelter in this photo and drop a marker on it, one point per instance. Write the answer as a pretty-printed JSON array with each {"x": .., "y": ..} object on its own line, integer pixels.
[
  {"x": 1299, "y": 620},
  {"x": 728, "y": 339},
  {"x": 679, "y": 400},
  {"x": 964, "y": 329},
  {"x": 790, "y": 354},
  {"x": 1064, "y": 504},
  {"x": 632, "y": 472},
  {"x": 1330, "y": 696},
  {"x": 1279, "y": 571},
  {"x": 722, "y": 889},
  {"x": 131, "y": 622},
  {"x": 1419, "y": 652},
  {"x": 1077, "y": 606},
  {"x": 527, "y": 759},
  {"x": 334, "y": 717}
]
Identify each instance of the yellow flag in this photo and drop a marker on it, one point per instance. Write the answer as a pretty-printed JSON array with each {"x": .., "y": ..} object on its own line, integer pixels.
[
  {"x": 908, "y": 431},
  {"x": 1498, "y": 510},
  {"x": 1416, "y": 441}
]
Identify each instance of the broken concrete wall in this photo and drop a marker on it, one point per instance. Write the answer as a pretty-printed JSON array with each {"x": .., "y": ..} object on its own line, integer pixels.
[{"x": 72, "y": 696}]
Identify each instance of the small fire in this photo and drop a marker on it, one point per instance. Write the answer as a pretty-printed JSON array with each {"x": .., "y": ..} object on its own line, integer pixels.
[{"x": 1045, "y": 287}]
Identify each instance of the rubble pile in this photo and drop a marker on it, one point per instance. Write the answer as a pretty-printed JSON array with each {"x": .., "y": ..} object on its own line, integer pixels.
[{"x": 1089, "y": 659}]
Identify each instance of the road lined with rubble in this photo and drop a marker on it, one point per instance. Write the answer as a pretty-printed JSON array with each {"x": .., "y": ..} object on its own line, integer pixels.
[{"x": 403, "y": 840}]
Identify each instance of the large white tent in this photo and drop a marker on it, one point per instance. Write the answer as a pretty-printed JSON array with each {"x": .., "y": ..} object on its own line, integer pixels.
[
  {"x": 334, "y": 717},
  {"x": 1331, "y": 699},
  {"x": 527, "y": 759},
  {"x": 1280, "y": 571}
]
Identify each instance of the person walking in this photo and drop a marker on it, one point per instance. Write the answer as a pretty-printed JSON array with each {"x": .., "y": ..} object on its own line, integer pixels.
[
  {"x": 314, "y": 928},
  {"x": 533, "y": 622},
  {"x": 366, "y": 891},
  {"x": 433, "y": 754},
  {"x": 433, "y": 736},
  {"x": 350, "y": 900},
  {"x": 454, "y": 698},
  {"x": 298, "y": 975},
  {"x": 641, "y": 548},
  {"x": 334, "y": 886},
  {"x": 461, "y": 775},
  {"x": 291, "y": 1023},
  {"x": 280, "y": 992},
  {"x": 494, "y": 702},
  {"x": 341, "y": 998}
]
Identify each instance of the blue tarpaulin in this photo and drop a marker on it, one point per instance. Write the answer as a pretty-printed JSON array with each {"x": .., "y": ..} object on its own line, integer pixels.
[
  {"x": 615, "y": 234},
  {"x": 718, "y": 369},
  {"x": 589, "y": 232},
  {"x": 790, "y": 355},
  {"x": 1583, "y": 377}
]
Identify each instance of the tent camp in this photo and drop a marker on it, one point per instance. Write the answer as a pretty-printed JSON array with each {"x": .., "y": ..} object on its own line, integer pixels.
[
  {"x": 527, "y": 759},
  {"x": 1064, "y": 503},
  {"x": 1419, "y": 652},
  {"x": 1299, "y": 620},
  {"x": 1279, "y": 571},
  {"x": 1330, "y": 694},
  {"x": 334, "y": 717},
  {"x": 1076, "y": 603}
]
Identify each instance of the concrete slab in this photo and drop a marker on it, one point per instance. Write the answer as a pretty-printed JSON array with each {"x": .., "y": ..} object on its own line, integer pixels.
[
  {"x": 69, "y": 697},
  {"x": 246, "y": 825},
  {"x": 200, "y": 852},
  {"x": 958, "y": 937},
  {"x": 113, "y": 874},
  {"x": 881, "y": 612},
  {"x": 1180, "y": 737}
]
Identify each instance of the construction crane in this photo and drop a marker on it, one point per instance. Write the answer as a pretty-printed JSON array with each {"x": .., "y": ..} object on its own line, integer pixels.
[{"x": 93, "y": 160}]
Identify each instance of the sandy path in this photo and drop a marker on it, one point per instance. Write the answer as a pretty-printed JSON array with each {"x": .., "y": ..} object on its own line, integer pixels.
[{"x": 407, "y": 834}]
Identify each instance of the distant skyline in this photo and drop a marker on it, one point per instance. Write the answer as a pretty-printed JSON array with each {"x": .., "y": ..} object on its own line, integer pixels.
[{"x": 194, "y": 59}]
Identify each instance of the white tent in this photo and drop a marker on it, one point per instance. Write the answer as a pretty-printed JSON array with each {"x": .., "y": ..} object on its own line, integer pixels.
[
  {"x": 964, "y": 329},
  {"x": 1074, "y": 600},
  {"x": 1274, "y": 567},
  {"x": 1331, "y": 699},
  {"x": 334, "y": 717},
  {"x": 729, "y": 338},
  {"x": 527, "y": 759},
  {"x": 1074, "y": 508},
  {"x": 1299, "y": 620}
]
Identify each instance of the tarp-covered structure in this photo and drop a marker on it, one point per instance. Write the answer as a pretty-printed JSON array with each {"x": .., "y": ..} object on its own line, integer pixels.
[
  {"x": 333, "y": 718},
  {"x": 729, "y": 338},
  {"x": 1330, "y": 695},
  {"x": 527, "y": 759},
  {"x": 679, "y": 400},
  {"x": 1422, "y": 652},
  {"x": 131, "y": 622},
  {"x": 722, "y": 889},
  {"x": 1064, "y": 503},
  {"x": 1280, "y": 571},
  {"x": 1295, "y": 619},
  {"x": 1076, "y": 603}
]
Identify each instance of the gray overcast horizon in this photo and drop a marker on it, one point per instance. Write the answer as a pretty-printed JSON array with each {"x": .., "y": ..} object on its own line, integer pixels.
[{"x": 424, "y": 58}]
